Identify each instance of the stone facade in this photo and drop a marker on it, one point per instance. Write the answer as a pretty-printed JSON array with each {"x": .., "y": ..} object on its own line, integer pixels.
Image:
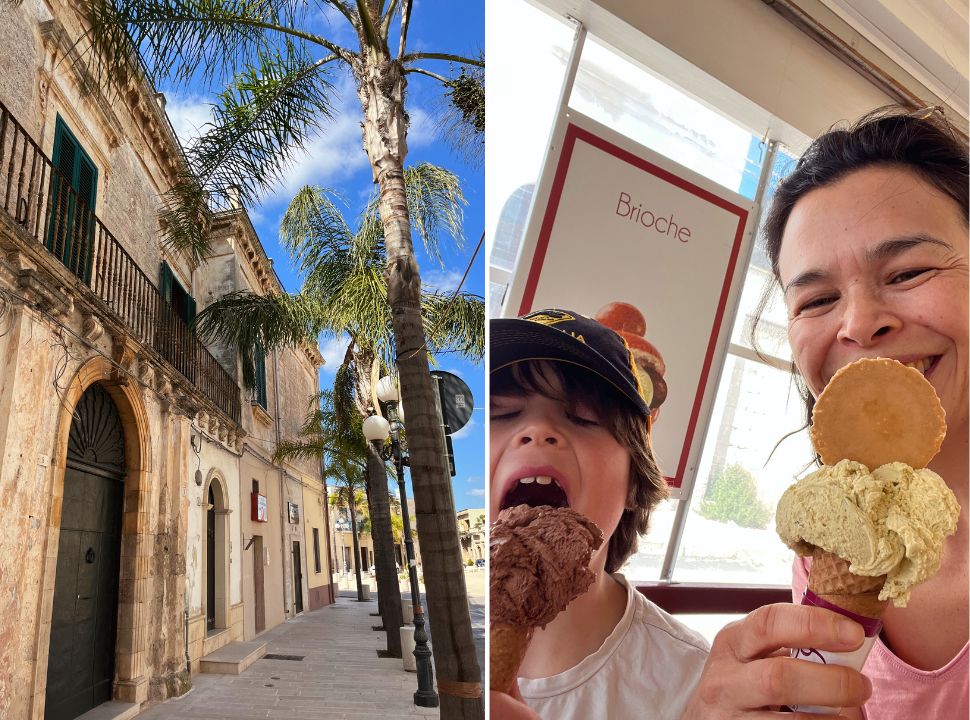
[
  {"x": 283, "y": 583},
  {"x": 190, "y": 455},
  {"x": 471, "y": 535}
]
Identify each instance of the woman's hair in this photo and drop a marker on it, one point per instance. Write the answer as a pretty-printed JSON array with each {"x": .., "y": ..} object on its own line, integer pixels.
[
  {"x": 922, "y": 142},
  {"x": 625, "y": 422}
]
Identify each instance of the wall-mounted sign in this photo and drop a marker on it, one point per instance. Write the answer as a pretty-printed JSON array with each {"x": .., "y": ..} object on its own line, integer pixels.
[
  {"x": 650, "y": 248},
  {"x": 293, "y": 512},
  {"x": 260, "y": 508}
]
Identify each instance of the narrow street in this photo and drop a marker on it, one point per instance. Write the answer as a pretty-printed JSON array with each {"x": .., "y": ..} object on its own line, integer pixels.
[{"x": 339, "y": 674}]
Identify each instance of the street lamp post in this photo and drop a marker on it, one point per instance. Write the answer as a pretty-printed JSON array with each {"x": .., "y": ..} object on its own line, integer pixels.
[{"x": 425, "y": 696}]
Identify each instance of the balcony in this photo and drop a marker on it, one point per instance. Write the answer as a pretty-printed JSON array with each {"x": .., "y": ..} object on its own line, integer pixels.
[{"x": 43, "y": 204}]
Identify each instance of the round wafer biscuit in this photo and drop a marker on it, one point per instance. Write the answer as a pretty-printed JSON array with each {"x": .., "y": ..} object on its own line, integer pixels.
[{"x": 878, "y": 411}]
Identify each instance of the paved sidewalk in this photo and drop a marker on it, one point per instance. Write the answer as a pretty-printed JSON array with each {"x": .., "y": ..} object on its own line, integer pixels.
[{"x": 339, "y": 677}]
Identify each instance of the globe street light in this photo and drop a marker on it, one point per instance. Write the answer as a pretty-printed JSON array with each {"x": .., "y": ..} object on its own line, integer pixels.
[{"x": 387, "y": 393}]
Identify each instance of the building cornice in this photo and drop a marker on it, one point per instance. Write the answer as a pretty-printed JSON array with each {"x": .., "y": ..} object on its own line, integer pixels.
[
  {"x": 145, "y": 106},
  {"x": 247, "y": 246}
]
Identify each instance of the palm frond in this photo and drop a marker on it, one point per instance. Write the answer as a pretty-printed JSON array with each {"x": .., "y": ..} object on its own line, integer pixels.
[
  {"x": 358, "y": 304},
  {"x": 261, "y": 117},
  {"x": 313, "y": 229},
  {"x": 435, "y": 204},
  {"x": 186, "y": 217},
  {"x": 250, "y": 322},
  {"x": 300, "y": 449},
  {"x": 326, "y": 433},
  {"x": 344, "y": 395},
  {"x": 454, "y": 323},
  {"x": 185, "y": 39}
]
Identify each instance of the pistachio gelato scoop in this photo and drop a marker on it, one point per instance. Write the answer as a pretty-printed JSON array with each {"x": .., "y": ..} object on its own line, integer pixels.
[{"x": 891, "y": 521}]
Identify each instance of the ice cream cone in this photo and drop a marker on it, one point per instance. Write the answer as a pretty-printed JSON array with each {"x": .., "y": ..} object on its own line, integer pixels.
[
  {"x": 507, "y": 646},
  {"x": 831, "y": 580}
]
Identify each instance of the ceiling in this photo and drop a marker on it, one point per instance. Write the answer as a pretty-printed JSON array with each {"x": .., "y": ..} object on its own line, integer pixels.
[{"x": 927, "y": 38}]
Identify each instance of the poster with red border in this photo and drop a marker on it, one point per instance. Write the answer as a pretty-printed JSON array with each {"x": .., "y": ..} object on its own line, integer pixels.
[{"x": 615, "y": 224}]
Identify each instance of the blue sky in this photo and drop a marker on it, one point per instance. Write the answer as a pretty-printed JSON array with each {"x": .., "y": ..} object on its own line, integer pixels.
[{"x": 335, "y": 159}]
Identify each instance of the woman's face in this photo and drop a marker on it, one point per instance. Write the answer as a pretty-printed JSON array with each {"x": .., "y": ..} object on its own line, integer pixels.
[{"x": 875, "y": 265}]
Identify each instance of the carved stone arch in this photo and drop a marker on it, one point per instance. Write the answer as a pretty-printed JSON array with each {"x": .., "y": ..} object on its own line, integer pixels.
[
  {"x": 217, "y": 481},
  {"x": 134, "y": 463}
]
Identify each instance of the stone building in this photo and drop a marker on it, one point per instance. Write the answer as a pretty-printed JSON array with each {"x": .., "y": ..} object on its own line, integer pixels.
[
  {"x": 342, "y": 547},
  {"x": 129, "y": 453},
  {"x": 471, "y": 534},
  {"x": 276, "y": 556}
]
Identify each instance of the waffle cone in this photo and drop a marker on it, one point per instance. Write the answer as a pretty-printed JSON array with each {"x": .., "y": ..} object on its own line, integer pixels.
[
  {"x": 831, "y": 580},
  {"x": 507, "y": 646}
]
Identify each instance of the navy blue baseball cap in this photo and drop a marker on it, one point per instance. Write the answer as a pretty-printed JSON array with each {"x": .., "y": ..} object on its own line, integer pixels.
[{"x": 567, "y": 336}]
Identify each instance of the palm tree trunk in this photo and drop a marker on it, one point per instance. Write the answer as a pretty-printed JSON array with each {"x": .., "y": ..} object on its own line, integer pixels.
[
  {"x": 381, "y": 87},
  {"x": 388, "y": 589},
  {"x": 353, "y": 532}
]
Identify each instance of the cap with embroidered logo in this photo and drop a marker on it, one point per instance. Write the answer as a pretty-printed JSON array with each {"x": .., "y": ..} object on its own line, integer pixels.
[{"x": 568, "y": 337}]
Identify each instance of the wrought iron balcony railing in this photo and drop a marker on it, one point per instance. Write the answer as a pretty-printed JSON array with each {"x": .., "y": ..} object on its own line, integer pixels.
[{"x": 41, "y": 200}]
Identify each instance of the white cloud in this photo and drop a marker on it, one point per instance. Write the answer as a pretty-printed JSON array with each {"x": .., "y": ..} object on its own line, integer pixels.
[
  {"x": 333, "y": 350},
  {"x": 331, "y": 155},
  {"x": 474, "y": 479},
  {"x": 477, "y": 492},
  {"x": 443, "y": 280},
  {"x": 188, "y": 114},
  {"x": 422, "y": 129}
]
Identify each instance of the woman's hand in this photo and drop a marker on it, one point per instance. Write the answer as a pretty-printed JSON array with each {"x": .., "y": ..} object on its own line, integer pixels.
[
  {"x": 749, "y": 672},
  {"x": 509, "y": 707}
]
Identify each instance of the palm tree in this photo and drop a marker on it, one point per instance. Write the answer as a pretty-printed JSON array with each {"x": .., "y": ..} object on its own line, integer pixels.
[
  {"x": 279, "y": 88},
  {"x": 345, "y": 292},
  {"x": 347, "y": 493},
  {"x": 326, "y": 435},
  {"x": 330, "y": 429}
]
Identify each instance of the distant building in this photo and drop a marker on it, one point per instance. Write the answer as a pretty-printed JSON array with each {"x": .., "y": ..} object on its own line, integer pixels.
[{"x": 471, "y": 535}]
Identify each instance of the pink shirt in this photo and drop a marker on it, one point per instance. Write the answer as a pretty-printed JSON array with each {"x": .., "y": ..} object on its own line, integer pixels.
[{"x": 899, "y": 690}]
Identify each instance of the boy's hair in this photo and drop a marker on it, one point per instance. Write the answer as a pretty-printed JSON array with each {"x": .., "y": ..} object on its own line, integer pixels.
[{"x": 621, "y": 417}]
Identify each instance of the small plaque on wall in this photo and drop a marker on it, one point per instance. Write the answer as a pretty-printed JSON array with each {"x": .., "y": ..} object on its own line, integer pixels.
[
  {"x": 260, "y": 508},
  {"x": 293, "y": 511}
]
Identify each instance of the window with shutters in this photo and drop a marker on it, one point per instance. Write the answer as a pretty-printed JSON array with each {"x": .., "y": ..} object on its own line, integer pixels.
[
  {"x": 73, "y": 193},
  {"x": 259, "y": 372},
  {"x": 177, "y": 296}
]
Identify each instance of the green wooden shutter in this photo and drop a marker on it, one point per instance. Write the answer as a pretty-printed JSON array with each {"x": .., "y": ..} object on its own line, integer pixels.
[
  {"x": 165, "y": 283},
  {"x": 259, "y": 358},
  {"x": 73, "y": 200},
  {"x": 87, "y": 183},
  {"x": 62, "y": 199},
  {"x": 191, "y": 311}
]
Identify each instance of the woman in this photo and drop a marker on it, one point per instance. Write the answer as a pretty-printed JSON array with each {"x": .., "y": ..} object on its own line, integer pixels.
[{"x": 868, "y": 242}]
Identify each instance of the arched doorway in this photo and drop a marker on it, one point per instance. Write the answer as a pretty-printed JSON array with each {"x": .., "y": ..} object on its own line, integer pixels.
[
  {"x": 80, "y": 668},
  {"x": 216, "y": 574}
]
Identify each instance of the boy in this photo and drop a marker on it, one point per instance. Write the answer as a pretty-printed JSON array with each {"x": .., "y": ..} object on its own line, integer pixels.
[{"x": 569, "y": 426}]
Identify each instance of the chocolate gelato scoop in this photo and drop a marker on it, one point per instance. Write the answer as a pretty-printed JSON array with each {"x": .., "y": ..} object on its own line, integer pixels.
[{"x": 539, "y": 562}]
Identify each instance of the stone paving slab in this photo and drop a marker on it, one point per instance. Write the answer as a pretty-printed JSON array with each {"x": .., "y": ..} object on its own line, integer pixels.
[{"x": 340, "y": 678}]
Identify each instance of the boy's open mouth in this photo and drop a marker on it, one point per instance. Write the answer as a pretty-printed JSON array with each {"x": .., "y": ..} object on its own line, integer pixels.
[{"x": 535, "y": 491}]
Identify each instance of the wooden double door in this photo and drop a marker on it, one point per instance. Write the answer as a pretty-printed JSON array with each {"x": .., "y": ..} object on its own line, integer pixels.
[{"x": 84, "y": 618}]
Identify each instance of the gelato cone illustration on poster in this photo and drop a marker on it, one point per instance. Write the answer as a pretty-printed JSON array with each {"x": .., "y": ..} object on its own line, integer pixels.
[{"x": 631, "y": 324}]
